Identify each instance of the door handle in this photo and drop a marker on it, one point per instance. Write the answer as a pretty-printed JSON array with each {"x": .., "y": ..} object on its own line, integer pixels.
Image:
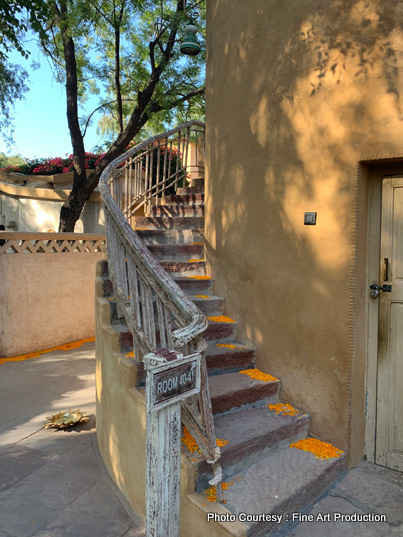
[{"x": 376, "y": 288}]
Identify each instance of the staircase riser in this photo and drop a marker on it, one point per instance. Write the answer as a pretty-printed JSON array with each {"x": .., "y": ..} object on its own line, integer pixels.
[
  {"x": 172, "y": 236},
  {"x": 198, "y": 181},
  {"x": 104, "y": 268},
  {"x": 186, "y": 199},
  {"x": 180, "y": 252},
  {"x": 183, "y": 268},
  {"x": 194, "y": 286},
  {"x": 199, "y": 189},
  {"x": 107, "y": 286},
  {"x": 231, "y": 361},
  {"x": 150, "y": 222},
  {"x": 220, "y": 332},
  {"x": 243, "y": 399},
  {"x": 212, "y": 307},
  {"x": 178, "y": 210}
]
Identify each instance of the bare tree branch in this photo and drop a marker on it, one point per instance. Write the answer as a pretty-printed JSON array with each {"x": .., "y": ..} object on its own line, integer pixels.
[
  {"x": 157, "y": 107},
  {"x": 103, "y": 105}
]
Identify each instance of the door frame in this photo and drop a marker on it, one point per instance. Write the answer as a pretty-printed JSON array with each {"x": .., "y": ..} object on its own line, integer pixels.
[{"x": 375, "y": 173}]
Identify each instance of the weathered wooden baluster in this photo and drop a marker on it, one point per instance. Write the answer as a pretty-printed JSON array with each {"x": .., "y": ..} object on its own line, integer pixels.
[
  {"x": 161, "y": 323},
  {"x": 133, "y": 290},
  {"x": 164, "y": 174}
]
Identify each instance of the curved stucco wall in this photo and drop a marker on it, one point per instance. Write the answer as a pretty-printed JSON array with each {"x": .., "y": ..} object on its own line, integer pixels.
[
  {"x": 309, "y": 89},
  {"x": 33, "y": 203},
  {"x": 46, "y": 297}
]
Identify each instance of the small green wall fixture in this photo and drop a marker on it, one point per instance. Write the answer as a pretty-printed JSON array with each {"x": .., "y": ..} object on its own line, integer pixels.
[{"x": 189, "y": 45}]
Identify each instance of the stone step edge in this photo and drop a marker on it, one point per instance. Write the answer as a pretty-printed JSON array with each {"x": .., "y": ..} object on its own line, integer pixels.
[
  {"x": 235, "y": 526},
  {"x": 240, "y": 456}
]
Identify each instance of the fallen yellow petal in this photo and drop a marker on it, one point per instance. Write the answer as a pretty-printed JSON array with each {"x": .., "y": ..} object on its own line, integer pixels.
[
  {"x": 284, "y": 409},
  {"x": 36, "y": 354},
  {"x": 221, "y": 319},
  {"x": 321, "y": 450},
  {"x": 256, "y": 374}
]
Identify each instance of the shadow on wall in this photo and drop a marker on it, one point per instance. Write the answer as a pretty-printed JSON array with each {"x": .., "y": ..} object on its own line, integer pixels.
[{"x": 310, "y": 89}]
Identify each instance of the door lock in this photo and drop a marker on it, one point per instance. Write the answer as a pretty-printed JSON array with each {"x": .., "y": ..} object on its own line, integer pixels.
[{"x": 376, "y": 288}]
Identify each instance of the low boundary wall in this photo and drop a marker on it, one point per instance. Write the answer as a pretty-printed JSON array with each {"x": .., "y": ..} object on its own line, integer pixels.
[{"x": 46, "y": 289}]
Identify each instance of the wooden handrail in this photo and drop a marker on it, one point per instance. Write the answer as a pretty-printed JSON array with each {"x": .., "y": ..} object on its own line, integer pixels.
[{"x": 157, "y": 312}]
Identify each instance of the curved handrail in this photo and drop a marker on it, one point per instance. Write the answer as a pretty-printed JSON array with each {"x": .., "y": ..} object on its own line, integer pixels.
[{"x": 197, "y": 321}]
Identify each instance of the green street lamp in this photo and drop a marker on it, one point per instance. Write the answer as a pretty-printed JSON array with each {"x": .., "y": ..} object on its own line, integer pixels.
[{"x": 189, "y": 45}]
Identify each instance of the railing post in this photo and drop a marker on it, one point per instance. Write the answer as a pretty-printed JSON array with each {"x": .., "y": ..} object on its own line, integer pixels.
[{"x": 170, "y": 379}]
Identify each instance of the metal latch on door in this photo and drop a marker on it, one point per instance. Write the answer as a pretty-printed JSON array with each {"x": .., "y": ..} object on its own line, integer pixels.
[{"x": 376, "y": 288}]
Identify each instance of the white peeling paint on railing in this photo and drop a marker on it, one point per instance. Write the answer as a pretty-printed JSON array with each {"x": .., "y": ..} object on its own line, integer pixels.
[{"x": 158, "y": 313}]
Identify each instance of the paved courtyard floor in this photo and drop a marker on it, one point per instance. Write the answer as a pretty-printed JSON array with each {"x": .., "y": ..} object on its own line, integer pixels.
[{"x": 53, "y": 483}]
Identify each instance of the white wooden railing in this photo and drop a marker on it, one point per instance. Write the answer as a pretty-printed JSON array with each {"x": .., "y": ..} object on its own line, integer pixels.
[
  {"x": 157, "y": 312},
  {"x": 157, "y": 167}
]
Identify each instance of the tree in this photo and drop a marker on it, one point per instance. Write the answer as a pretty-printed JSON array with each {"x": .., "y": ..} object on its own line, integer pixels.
[
  {"x": 141, "y": 73},
  {"x": 13, "y": 160},
  {"x": 15, "y": 19}
]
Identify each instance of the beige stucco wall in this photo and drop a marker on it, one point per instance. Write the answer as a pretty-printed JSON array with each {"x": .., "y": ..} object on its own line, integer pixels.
[
  {"x": 26, "y": 205},
  {"x": 309, "y": 89},
  {"x": 46, "y": 299}
]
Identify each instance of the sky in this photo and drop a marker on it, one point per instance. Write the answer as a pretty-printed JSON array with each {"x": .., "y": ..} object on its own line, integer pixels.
[{"x": 40, "y": 122}]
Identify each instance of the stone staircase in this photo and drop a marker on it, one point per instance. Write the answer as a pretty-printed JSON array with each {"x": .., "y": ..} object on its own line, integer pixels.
[{"x": 267, "y": 483}]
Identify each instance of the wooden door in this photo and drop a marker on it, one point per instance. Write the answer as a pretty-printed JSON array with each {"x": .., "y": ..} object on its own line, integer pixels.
[{"x": 389, "y": 426}]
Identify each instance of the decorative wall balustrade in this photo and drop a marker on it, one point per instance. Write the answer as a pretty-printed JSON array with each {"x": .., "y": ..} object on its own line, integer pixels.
[{"x": 50, "y": 243}]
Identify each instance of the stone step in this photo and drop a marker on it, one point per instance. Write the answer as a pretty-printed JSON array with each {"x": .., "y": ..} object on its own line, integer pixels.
[
  {"x": 197, "y": 181},
  {"x": 219, "y": 331},
  {"x": 179, "y": 252},
  {"x": 283, "y": 483},
  {"x": 234, "y": 391},
  {"x": 247, "y": 437},
  {"x": 184, "y": 268},
  {"x": 185, "y": 199},
  {"x": 209, "y": 304},
  {"x": 120, "y": 326},
  {"x": 198, "y": 189},
  {"x": 229, "y": 357},
  {"x": 170, "y": 236},
  {"x": 169, "y": 222},
  {"x": 177, "y": 210},
  {"x": 194, "y": 284}
]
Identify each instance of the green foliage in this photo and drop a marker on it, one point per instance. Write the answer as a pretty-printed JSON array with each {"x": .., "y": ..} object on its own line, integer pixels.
[
  {"x": 12, "y": 87},
  {"x": 12, "y": 160},
  {"x": 16, "y": 17},
  {"x": 96, "y": 27}
]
